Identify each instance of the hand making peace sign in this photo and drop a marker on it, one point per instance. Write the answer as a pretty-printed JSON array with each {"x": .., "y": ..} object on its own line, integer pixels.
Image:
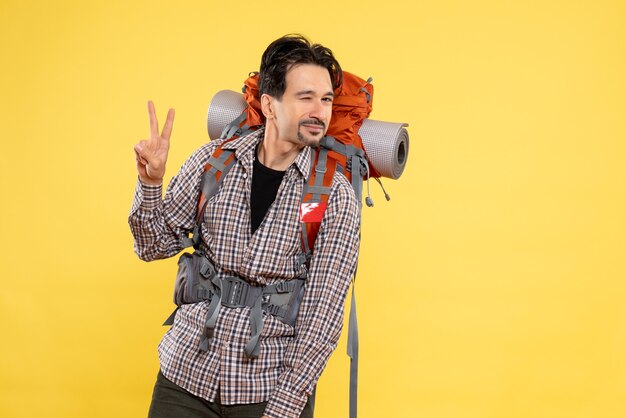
[{"x": 151, "y": 154}]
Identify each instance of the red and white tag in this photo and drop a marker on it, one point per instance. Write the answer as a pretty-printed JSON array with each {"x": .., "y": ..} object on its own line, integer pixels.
[{"x": 312, "y": 212}]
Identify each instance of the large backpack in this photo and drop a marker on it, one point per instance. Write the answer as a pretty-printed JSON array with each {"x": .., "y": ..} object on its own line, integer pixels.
[{"x": 340, "y": 150}]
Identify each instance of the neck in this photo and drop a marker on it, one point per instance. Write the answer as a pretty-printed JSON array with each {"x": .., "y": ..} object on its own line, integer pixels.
[{"x": 276, "y": 153}]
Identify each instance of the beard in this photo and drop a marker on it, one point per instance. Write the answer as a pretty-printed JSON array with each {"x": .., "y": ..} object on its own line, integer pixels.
[{"x": 308, "y": 139}]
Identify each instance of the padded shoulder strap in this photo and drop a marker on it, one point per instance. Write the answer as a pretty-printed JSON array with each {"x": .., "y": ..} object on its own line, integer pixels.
[
  {"x": 214, "y": 172},
  {"x": 315, "y": 196}
]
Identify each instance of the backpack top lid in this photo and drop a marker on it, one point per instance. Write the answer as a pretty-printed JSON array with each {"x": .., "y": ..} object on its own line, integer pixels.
[{"x": 352, "y": 104}]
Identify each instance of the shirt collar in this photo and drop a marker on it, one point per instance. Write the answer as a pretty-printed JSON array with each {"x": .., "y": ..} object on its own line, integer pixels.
[{"x": 245, "y": 147}]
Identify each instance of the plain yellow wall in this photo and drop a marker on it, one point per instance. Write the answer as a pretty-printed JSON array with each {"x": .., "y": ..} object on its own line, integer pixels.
[{"x": 491, "y": 286}]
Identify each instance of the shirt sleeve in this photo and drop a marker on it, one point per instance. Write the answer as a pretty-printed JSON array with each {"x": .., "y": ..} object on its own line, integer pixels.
[
  {"x": 156, "y": 223},
  {"x": 320, "y": 318}
]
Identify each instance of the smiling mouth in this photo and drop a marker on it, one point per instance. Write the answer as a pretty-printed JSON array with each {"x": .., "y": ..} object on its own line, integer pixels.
[{"x": 313, "y": 127}]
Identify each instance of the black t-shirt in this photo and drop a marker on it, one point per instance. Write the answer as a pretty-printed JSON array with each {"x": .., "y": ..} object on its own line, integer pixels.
[{"x": 265, "y": 184}]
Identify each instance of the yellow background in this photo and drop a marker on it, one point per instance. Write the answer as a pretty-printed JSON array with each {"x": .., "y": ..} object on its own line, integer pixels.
[{"x": 492, "y": 285}]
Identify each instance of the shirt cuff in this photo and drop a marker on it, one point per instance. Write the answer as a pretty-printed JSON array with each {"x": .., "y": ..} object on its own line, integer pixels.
[
  {"x": 148, "y": 196},
  {"x": 283, "y": 404}
]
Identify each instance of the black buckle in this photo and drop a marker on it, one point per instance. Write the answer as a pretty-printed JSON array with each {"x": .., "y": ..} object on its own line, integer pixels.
[
  {"x": 282, "y": 287},
  {"x": 234, "y": 292},
  {"x": 204, "y": 294},
  {"x": 206, "y": 269},
  {"x": 272, "y": 309}
]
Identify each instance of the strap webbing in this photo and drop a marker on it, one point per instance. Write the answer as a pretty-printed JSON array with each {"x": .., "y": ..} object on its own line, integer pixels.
[
  {"x": 211, "y": 318},
  {"x": 209, "y": 184},
  {"x": 353, "y": 353},
  {"x": 232, "y": 128},
  {"x": 356, "y": 161},
  {"x": 318, "y": 190},
  {"x": 320, "y": 170},
  {"x": 253, "y": 347},
  {"x": 305, "y": 190},
  {"x": 357, "y": 177}
]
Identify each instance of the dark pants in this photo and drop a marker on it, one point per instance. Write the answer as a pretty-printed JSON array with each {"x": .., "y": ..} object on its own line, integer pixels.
[{"x": 171, "y": 401}]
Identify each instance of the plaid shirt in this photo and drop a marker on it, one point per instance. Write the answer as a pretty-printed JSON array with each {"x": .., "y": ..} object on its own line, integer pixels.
[{"x": 291, "y": 359}]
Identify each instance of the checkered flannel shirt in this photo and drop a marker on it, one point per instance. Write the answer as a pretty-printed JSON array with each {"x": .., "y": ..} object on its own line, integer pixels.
[{"x": 291, "y": 359}]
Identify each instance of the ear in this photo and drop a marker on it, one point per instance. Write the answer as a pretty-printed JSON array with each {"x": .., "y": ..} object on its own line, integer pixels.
[{"x": 267, "y": 106}]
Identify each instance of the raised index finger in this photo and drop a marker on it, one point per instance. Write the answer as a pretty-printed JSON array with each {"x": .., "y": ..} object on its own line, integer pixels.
[{"x": 154, "y": 125}]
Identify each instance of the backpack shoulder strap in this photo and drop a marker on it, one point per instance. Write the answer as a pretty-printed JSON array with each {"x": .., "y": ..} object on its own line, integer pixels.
[
  {"x": 316, "y": 191},
  {"x": 213, "y": 174},
  {"x": 315, "y": 194},
  {"x": 356, "y": 163}
]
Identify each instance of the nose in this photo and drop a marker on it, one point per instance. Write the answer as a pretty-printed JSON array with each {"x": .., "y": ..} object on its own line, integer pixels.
[{"x": 318, "y": 110}]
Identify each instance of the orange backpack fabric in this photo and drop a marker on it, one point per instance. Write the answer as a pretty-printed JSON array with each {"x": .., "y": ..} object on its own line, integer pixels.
[
  {"x": 351, "y": 105},
  {"x": 254, "y": 115}
]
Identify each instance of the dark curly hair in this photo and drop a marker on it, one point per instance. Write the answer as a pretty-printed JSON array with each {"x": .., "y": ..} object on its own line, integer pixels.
[{"x": 290, "y": 50}]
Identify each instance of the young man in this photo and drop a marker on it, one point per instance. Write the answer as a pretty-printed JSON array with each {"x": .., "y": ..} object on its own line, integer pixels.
[{"x": 251, "y": 230}]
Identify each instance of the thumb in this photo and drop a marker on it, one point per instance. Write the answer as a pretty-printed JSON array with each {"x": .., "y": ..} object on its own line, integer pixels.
[
  {"x": 140, "y": 159},
  {"x": 140, "y": 147}
]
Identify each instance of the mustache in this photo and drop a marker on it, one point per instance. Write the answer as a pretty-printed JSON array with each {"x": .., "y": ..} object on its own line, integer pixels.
[{"x": 312, "y": 121}]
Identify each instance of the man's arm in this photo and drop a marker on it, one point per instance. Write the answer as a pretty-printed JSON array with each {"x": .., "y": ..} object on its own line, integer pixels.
[
  {"x": 156, "y": 223},
  {"x": 321, "y": 313}
]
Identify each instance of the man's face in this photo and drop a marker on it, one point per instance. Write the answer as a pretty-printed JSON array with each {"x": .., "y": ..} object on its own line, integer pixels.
[{"x": 303, "y": 113}]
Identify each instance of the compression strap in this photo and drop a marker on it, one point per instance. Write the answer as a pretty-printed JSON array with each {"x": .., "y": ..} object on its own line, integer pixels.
[{"x": 353, "y": 353}]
